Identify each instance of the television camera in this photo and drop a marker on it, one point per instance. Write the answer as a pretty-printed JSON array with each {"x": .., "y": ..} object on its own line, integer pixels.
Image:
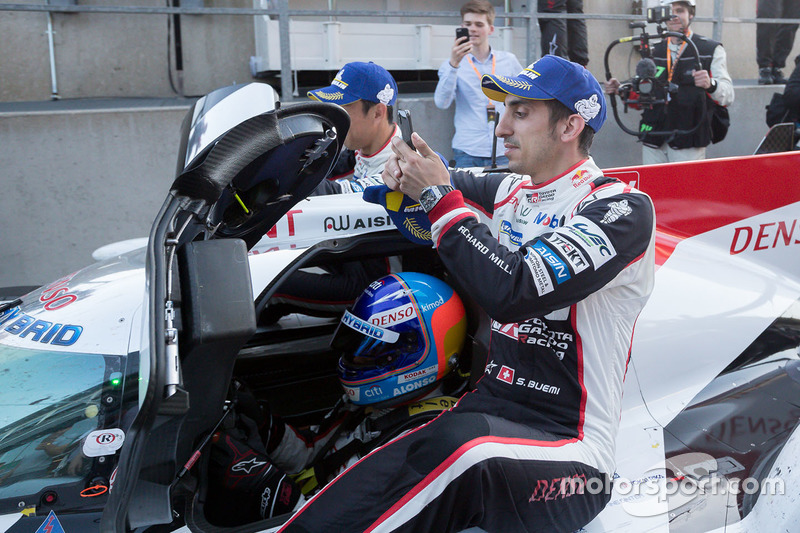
[{"x": 648, "y": 87}]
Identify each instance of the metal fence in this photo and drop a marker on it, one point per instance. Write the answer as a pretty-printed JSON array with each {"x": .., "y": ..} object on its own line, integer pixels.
[{"x": 283, "y": 14}]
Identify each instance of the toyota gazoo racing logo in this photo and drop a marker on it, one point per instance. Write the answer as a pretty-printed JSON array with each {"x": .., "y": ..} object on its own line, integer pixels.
[
  {"x": 508, "y": 375},
  {"x": 536, "y": 333},
  {"x": 540, "y": 196}
]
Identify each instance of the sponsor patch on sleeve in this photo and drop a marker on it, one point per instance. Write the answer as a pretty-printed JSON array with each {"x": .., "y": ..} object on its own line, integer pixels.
[
  {"x": 514, "y": 237},
  {"x": 591, "y": 239},
  {"x": 539, "y": 272},
  {"x": 556, "y": 265},
  {"x": 568, "y": 251}
]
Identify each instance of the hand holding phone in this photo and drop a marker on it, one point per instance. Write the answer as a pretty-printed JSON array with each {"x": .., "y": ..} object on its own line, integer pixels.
[
  {"x": 404, "y": 121},
  {"x": 460, "y": 47}
]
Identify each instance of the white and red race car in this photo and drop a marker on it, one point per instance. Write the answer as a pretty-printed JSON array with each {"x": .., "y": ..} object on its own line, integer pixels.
[{"x": 112, "y": 375}]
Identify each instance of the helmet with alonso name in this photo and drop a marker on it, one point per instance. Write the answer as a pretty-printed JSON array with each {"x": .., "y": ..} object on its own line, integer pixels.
[{"x": 403, "y": 334}]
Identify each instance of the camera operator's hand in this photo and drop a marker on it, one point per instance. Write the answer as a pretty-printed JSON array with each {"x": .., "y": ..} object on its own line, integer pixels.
[
  {"x": 461, "y": 47},
  {"x": 611, "y": 86},
  {"x": 702, "y": 79}
]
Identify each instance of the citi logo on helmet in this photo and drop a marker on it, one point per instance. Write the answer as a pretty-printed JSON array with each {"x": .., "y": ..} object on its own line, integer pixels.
[{"x": 373, "y": 392}]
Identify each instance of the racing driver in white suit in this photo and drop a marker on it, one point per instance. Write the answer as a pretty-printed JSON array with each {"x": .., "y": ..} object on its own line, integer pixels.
[{"x": 561, "y": 259}]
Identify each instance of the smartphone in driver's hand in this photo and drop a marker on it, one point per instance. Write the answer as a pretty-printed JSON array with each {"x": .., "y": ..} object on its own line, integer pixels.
[
  {"x": 462, "y": 32},
  {"x": 404, "y": 121}
]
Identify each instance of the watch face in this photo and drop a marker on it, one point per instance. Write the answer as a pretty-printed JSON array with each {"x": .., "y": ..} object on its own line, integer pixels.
[
  {"x": 428, "y": 199},
  {"x": 431, "y": 195}
]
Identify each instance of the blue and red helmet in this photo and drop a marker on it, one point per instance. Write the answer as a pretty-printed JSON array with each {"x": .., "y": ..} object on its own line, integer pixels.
[{"x": 403, "y": 334}]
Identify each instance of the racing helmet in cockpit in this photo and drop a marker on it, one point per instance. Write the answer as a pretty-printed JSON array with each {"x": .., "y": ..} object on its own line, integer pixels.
[{"x": 402, "y": 335}]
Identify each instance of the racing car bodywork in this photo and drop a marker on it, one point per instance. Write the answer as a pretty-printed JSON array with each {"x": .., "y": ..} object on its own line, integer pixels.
[{"x": 114, "y": 375}]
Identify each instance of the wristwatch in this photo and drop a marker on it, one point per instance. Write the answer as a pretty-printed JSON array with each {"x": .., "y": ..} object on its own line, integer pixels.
[
  {"x": 431, "y": 195},
  {"x": 712, "y": 87}
]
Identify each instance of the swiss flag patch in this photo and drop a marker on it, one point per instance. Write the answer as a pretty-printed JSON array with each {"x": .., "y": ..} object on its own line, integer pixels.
[{"x": 506, "y": 374}]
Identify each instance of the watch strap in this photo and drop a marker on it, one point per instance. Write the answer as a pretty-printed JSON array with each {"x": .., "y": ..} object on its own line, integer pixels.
[{"x": 430, "y": 196}]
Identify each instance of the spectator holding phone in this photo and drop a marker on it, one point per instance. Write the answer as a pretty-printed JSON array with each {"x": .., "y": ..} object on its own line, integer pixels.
[{"x": 460, "y": 79}]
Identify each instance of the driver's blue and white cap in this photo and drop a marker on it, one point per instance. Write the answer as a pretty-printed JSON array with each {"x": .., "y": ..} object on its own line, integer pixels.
[
  {"x": 359, "y": 81},
  {"x": 553, "y": 78}
]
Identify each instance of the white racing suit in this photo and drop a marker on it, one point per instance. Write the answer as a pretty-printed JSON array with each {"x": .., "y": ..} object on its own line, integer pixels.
[{"x": 563, "y": 269}]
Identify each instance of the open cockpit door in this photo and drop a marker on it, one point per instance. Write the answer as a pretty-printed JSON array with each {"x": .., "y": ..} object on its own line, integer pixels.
[{"x": 244, "y": 162}]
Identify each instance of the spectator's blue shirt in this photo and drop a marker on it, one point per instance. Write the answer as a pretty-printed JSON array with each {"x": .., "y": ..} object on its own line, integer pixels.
[{"x": 474, "y": 133}]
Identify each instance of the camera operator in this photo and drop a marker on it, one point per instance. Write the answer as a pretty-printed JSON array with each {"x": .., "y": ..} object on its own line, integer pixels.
[{"x": 675, "y": 68}]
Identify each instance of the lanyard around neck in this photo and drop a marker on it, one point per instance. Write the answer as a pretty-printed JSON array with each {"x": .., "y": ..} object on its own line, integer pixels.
[
  {"x": 480, "y": 76},
  {"x": 670, "y": 66}
]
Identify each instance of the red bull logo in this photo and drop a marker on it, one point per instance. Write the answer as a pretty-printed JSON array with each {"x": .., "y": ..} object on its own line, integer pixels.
[{"x": 580, "y": 177}]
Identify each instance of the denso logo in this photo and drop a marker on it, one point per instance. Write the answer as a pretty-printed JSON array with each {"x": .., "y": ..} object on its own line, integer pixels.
[
  {"x": 57, "y": 295},
  {"x": 395, "y": 316},
  {"x": 770, "y": 235},
  {"x": 546, "y": 219},
  {"x": 342, "y": 223}
]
